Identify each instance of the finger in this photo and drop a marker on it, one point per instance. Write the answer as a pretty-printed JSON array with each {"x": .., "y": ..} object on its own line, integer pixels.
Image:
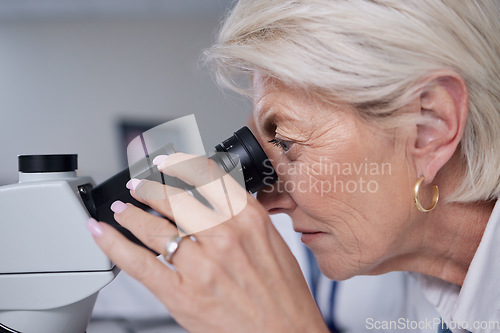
[
  {"x": 152, "y": 230},
  {"x": 138, "y": 262},
  {"x": 192, "y": 169},
  {"x": 189, "y": 214},
  {"x": 155, "y": 232},
  {"x": 222, "y": 191},
  {"x": 157, "y": 195}
]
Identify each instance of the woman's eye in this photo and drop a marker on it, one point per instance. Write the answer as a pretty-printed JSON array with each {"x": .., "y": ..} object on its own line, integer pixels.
[{"x": 283, "y": 144}]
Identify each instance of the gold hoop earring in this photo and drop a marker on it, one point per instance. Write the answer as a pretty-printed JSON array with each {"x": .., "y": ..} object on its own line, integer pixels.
[{"x": 435, "y": 196}]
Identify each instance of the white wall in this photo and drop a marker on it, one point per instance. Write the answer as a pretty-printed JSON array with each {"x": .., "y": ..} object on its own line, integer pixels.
[{"x": 65, "y": 83}]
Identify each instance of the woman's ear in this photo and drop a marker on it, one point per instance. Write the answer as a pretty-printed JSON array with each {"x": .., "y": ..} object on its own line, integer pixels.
[{"x": 444, "y": 105}]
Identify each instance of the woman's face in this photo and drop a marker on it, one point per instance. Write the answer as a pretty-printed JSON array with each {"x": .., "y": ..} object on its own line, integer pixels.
[{"x": 345, "y": 183}]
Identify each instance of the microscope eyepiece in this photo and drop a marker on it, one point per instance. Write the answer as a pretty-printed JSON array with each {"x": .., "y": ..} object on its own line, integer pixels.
[
  {"x": 240, "y": 150},
  {"x": 257, "y": 170}
]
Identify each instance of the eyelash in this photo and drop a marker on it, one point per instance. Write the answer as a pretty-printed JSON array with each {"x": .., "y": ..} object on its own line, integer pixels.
[{"x": 285, "y": 145}]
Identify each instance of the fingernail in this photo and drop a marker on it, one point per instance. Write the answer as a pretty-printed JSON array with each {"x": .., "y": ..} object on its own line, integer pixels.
[
  {"x": 159, "y": 159},
  {"x": 94, "y": 227},
  {"x": 118, "y": 207},
  {"x": 132, "y": 184}
]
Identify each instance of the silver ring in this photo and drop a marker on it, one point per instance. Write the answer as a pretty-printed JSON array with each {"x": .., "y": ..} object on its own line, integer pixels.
[{"x": 171, "y": 247}]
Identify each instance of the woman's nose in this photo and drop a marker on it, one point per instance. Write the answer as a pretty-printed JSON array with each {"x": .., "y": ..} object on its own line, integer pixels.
[{"x": 275, "y": 200}]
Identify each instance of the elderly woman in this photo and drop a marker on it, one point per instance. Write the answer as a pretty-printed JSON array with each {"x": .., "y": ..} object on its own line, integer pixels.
[{"x": 382, "y": 120}]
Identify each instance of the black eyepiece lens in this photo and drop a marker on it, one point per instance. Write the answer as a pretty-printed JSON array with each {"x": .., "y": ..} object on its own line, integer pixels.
[{"x": 257, "y": 169}]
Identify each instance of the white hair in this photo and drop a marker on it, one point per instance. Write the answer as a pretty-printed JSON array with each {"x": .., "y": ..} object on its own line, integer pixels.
[{"x": 371, "y": 54}]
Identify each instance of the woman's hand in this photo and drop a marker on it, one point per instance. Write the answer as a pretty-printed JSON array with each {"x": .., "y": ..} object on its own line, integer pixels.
[{"x": 237, "y": 276}]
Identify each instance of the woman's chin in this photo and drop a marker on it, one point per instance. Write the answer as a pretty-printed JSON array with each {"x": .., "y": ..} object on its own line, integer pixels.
[{"x": 337, "y": 272}]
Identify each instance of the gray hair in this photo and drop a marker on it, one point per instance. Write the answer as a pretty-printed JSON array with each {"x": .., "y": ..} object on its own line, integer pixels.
[{"x": 371, "y": 54}]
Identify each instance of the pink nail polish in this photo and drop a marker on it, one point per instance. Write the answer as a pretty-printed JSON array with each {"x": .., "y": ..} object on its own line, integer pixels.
[
  {"x": 118, "y": 207},
  {"x": 94, "y": 227},
  {"x": 132, "y": 184},
  {"x": 160, "y": 159}
]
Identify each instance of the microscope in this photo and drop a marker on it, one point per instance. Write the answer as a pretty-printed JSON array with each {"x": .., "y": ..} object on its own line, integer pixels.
[{"x": 50, "y": 268}]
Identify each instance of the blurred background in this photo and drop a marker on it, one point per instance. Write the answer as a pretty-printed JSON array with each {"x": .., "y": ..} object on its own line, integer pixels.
[{"x": 78, "y": 76}]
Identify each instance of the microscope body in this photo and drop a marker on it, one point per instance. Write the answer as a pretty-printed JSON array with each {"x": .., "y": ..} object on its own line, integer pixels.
[{"x": 50, "y": 268}]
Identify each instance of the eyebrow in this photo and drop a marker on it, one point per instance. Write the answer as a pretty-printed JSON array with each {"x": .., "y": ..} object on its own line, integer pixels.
[
  {"x": 270, "y": 114},
  {"x": 269, "y": 119}
]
